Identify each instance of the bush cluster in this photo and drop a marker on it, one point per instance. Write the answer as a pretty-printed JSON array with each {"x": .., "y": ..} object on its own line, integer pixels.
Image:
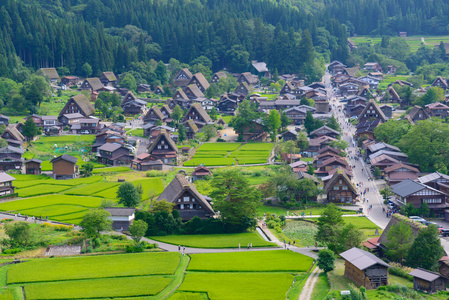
[{"x": 58, "y": 227}]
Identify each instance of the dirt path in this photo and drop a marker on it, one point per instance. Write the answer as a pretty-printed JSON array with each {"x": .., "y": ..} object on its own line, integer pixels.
[{"x": 306, "y": 293}]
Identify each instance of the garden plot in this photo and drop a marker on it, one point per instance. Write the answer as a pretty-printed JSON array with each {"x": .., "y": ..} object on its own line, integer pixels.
[
  {"x": 227, "y": 154},
  {"x": 229, "y": 240},
  {"x": 90, "y": 267},
  {"x": 48, "y": 180},
  {"x": 54, "y": 206},
  {"x": 43, "y": 189},
  {"x": 239, "y": 285},
  {"x": 256, "y": 261},
  {"x": 92, "y": 188}
]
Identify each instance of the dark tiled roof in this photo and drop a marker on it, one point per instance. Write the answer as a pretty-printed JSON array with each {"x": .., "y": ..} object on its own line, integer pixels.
[
  {"x": 120, "y": 211},
  {"x": 110, "y": 147},
  {"x": 65, "y": 157},
  {"x": 424, "y": 274},
  {"x": 362, "y": 259},
  {"x": 6, "y": 177}
]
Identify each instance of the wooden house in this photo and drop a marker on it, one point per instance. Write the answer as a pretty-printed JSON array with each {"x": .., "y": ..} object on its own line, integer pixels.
[
  {"x": 375, "y": 147},
  {"x": 377, "y": 75},
  {"x": 391, "y": 70},
  {"x": 400, "y": 172},
  {"x": 200, "y": 81},
  {"x": 289, "y": 135},
  {"x": 249, "y": 78},
  {"x": 324, "y": 131},
  {"x": 367, "y": 128},
  {"x": 436, "y": 180},
  {"x": 153, "y": 115},
  {"x": 296, "y": 114},
  {"x": 121, "y": 217},
  {"x": 70, "y": 80},
  {"x": 417, "y": 114},
  {"x": 77, "y": 104},
  {"x": 159, "y": 90},
  {"x": 70, "y": 119},
  {"x": 13, "y": 136},
  {"x": 129, "y": 97},
  {"x": 134, "y": 107},
  {"x": 199, "y": 116},
  {"x": 440, "y": 82},
  {"x": 189, "y": 202},
  {"x": 444, "y": 266},
  {"x": 4, "y": 120},
  {"x": 217, "y": 76},
  {"x": 108, "y": 79},
  {"x": 316, "y": 144},
  {"x": 383, "y": 161},
  {"x": 340, "y": 189},
  {"x": 387, "y": 110},
  {"x": 65, "y": 167},
  {"x": 391, "y": 96},
  {"x": 416, "y": 193},
  {"x": 11, "y": 158},
  {"x": 166, "y": 111},
  {"x": 254, "y": 132},
  {"x": 336, "y": 67},
  {"x": 370, "y": 66},
  {"x": 6, "y": 187},
  {"x": 86, "y": 126},
  {"x": 365, "y": 269},
  {"x": 299, "y": 166},
  {"x": 331, "y": 164},
  {"x": 143, "y": 162},
  {"x": 112, "y": 154},
  {"x": 33, "y": 167},
  {"x": 428, "y": 281},
  {"x": 436, "y": 109},
  {"x": 227, "y": 106},
  {"x": 192, "y": 91},
  {"x": 200, "y": 172},
  {"x": 182, "y": 78},
  {"x": 91, "y": 85},
  {"x": 51, "y": 73},
  {"x": 243, "y": 88},
  {"x": 372, "y": 112},
  {"x": 191, "y": 129},
  {"x": 164, "y": 148},
  {"x": 373, "y": 82}
]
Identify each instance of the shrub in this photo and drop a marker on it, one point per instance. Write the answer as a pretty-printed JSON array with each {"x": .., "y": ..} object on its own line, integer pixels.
[
  {"x": 12, "y": 251},
  {"x": 401, "y": 271},
  {"x": 135, "y": 248},
  {"x": 59, "y": 227},
  {"x": 271, "y": 224}
]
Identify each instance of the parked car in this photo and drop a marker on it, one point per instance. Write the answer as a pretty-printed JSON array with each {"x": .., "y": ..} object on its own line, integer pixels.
[
  {"x": 440, "y": 229},
  {"x": 445, "y": 232},
  {"x": 417, "y": 219}
]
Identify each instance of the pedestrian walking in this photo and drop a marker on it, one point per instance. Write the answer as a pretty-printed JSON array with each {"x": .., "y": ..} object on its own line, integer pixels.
[
  {"x": 247, "y": 247},
  {"x": 239, "y": 246},
  {"x": 251, "y": 246},
  {"x": 179, "y": 248}
]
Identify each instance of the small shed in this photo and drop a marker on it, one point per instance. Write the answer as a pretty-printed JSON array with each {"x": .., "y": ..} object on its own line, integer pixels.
[
  {"x": 365, "y": 269},
  {"x": 200, "y": 172},
  {"x": 122, "y": 217},
  {"x": 428, "y": 281},
  {"x": 33, "y": 166},
  {"x": 65, "y": 167}
]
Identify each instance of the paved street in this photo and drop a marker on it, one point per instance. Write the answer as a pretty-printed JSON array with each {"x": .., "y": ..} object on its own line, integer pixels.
[{"x": 360, "y": 171}]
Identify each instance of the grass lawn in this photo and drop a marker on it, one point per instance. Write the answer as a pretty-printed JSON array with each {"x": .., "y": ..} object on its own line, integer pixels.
[
  {"x": 49, "y": 180},
  {"x": 88, "y": 267},
  {"x": 230, "y": 240},
  {"x": 337, "y": 279},
  {"x": 389, "y": 79},
  {"x": 239, "y": 285},
  {"x": 106, "y": 287},
  {"x": 226, "y": 118},
  {"x": 256, "y": 261},
  {"x": 303, "y": 232},
  {"x": 44, "y": 148},
  {"x": 187, "y": 296},
  {"x": 136, "y": 132},
  {"x": 69, "y": 209},
  {"x": 42, "y": 190},
  {"x": 322, "y": 287},
  {"x": 111, "y": 169}
]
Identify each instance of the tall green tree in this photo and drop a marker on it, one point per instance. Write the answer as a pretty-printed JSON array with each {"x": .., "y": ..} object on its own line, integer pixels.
[
  {"x": 177, "y": 113},
  {"x": 236, "y": 200},
  {"x": 273, "y": 123},
  {"x": 86, "y": 69},
  {"x": 182, "y": 134},
  {"x": 399, "y": 241},
  {"x": 95, "y": 221},
  {"x": 128, "y": 195},
  {"x": 426, "y": 250},
  {"x": 29, "y": 129},
  {"x": 138, "y": 229},
  {"x": 326, "y": 260},
  {"x": 129, "y": 82},
  {"x": 330, "y": 224}
]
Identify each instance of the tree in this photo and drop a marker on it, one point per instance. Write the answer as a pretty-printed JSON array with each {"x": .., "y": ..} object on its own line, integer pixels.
[
  {"x": 333, "y": 123},
  {"x": 433, "y": 94},
  {"x": 302, "y": 141},
  {"x": 128, "y": 195},
  {"x": 87, "y": 169},
  {"x": 95, "y": 221},
  {"x": 386, "y": 193},
  {"x": 209, "y": 131},
  {"x": 161, "y": 72},
  {"x": 177, "y": 113},
  {"x": 236, "y": 200},
  {"x": 213, "y": 114},
  {"x": 161, "y": 205},
  {"x": 339, "y": 144},
  {"x": 377, "y": 172},
  {"x": 86, "y": 69},
  {"x": 35, "y": 90},
  {"x": 107, "y": 203},
  {"x": 310, "y": 123},
  {"x": 330, "y": 224},
  {"x": 308, "y": 102},
  {"x": 273, "y": 123},
  {"x": 29, "y": 129},
  {"x": 399, "y": 240},
  {"x": 285, "y": 120},
  {"x": 426, "y": 250},
  {"x": 138, "y": 229},
  {"x": 246, "y": 115},
  {"x": 19, "y": 233},
  {"x": 182, "y": 135},
  {"x": 349, "y": 237},
  {"x": 129, "y": 82},
  {"x": 326, "y": 260}
]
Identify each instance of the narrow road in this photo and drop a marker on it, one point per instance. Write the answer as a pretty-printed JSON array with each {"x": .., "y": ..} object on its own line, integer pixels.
[
  {"x": 307, "y": 290},
  {"x": 360, "y": 169}
]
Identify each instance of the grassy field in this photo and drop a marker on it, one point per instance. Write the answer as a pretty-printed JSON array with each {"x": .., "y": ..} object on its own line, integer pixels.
[
  {"x": 66, "y": 208},
  {"x": 227, "y": 154},
  {"x": 256, "y": 261},
  {"x": 48, "y": 180},
  {"x": 302, "y": 232},
  {"x": 322, "y": 287},
  {"x": 231, "y": 240},
  {"x": 283, "y": 211},
  {"x": 93, "y": 188},
  {"x": 84, "y": 267},
  {"x": 111, "y": 170},
  {"x": 136, "y": 132},
  {"x": 98, "y": 288},
  {"x": 413, "y": 41},
  {"x": 239, "y": 285},
  {"x": 42, "y": 190}
]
